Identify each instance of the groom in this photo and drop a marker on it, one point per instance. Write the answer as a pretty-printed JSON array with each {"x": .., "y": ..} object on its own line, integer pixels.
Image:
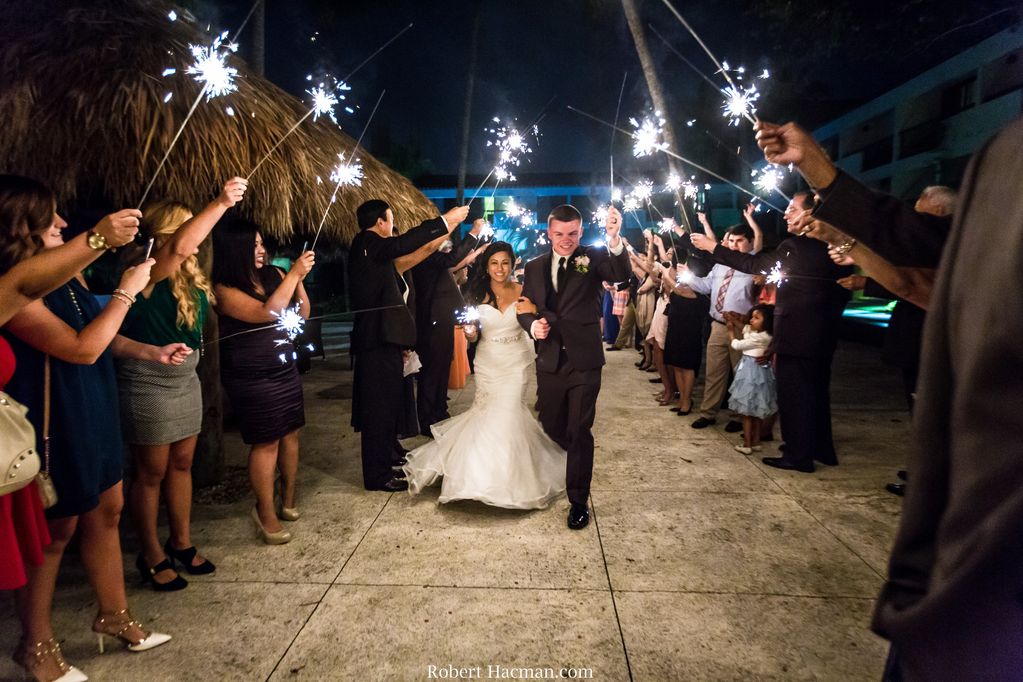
[{"x": 566, "y": 286}]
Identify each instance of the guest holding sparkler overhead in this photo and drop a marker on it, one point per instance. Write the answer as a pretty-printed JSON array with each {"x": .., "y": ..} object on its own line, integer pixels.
[
  {"x": 807, "y": 314},
  {"x": 383, "y": 329},
  {"x": 162, "y": 404},
  {"x": 258, "y": 368}
]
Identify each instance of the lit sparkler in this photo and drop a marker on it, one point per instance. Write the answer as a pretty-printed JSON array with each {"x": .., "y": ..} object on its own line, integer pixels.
[
  {"x": 600, "y": 215},
  {"x": 487, "y": 231},
  {"x": 643, "y": 190},
  {"x": 767, "y": 180},
  {"x": 512, "y": 146},
  {"x": 776, "y": 276},
  {"x": 673, "y": 183},
  {"x": 468, "y": 315},
  {"x": 667, "y": 225},
  {"x": 211, "y": 69},
  {"x": 739, "y": 103},
  {"x": 648, "y": 135},
  {"x": 346, "y": 173},
  {"x": 684, "y": 278},
  {"x": 290, "y": 322}
]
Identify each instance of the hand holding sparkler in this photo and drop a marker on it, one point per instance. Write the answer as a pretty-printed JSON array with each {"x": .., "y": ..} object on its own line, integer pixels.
[
  {"x": 456, "y": 216},
  {"x": 703, "y": 242},
  {"x": 233, "y": 192},
  {"x": 136, "y": 278},
  {"x": 119, "y": 228},
  {"x": 172, "y": 354},
  {"x": 790, "y": 144},
  {"x": 471, "y": 332},
  {"x": 303, "y": 264}
]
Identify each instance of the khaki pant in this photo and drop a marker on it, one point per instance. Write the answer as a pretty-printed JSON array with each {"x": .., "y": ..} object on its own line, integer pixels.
[
  {"x": 720, "y": 361},
  {"x": 627, "y": 333}
]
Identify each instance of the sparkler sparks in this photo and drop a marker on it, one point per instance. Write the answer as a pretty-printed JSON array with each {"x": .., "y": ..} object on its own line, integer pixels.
[
  {"x": 600, "y": 215},
  {"x": 512, "y": 146},
  {"x": 739, "y": 103},
  {"x": 346, "y": 174},
  {"x": 290, "y": 322},
  {"x": 643, "y": 190},
  {"x": 667, "y": 225},
  {"x": 325, "y": 100},
  {"x": 487, "y": 231},
  {"x": 673, "y": 183},
  {"x": 211, "y": 69},
  {"x": 469, "y": 315},
  {"x": 648, "y": 135},
  {"x": 776, "y": 276},
  {"x": 767, "y": 179}
]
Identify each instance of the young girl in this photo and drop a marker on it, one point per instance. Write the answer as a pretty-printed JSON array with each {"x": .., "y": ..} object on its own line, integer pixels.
[{"x": 753, "y": 391}]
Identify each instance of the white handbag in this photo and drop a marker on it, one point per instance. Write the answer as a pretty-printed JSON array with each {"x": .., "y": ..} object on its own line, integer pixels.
[{"x": 19, "y": 461}]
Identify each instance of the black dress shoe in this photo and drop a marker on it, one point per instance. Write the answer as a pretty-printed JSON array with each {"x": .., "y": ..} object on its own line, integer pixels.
[
  {"x": 683, "y": 414},
  {"x": 702, "y": 423},
  {"x": 901, "y": 473},
  {"x": 655, "y": 380},
  {"x": 896, "y": 489},
  {"x": 613, "y": 348},
  {"x": 400, "y": 462},
  {"x": 395, "y": 485},
  {"x": 186, "y": 557},
  {"x": 578, "y": 516},
  {"x": 733, "y": 426},
  {"x": 782, "y": 463}
]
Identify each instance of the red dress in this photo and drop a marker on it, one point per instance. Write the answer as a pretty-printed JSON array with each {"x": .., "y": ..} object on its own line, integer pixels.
[{"x": 23, "y": 531}]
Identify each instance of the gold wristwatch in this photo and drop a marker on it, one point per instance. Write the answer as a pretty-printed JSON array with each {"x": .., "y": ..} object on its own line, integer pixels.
[{"x": 97, "y": 241}]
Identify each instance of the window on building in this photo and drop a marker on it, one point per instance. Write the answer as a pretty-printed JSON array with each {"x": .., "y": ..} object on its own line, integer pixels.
[
  {"x": 877, "y": 154},
  {"x": 920, "y": 138},
  {"x": 958, "y": 97}
]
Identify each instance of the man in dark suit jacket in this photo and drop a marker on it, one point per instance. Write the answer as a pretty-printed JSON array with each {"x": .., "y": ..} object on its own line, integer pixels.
[
  {"x": 808, "y": 311},
  {"x": 437, "y": 303},
  {"x": 566, "y": 287},
  {"x": 383, "y": 331},
  {"x": 951, "y": 605}
]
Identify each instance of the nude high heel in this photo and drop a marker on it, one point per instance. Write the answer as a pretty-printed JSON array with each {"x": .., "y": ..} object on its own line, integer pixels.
[{"x": 279, "y": 538}]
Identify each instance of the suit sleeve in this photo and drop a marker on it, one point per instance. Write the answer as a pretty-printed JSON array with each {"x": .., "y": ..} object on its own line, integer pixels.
[
  {"x": 886, "y": 225},
  {"x": 614, "y": 268},
  {"x": 403, "y": 244},
  {"x": 531, "y": 290},
  {"x": 750, "y": 263}
]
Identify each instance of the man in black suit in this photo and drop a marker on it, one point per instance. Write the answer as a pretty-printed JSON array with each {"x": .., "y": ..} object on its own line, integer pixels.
[
  {"x": 383, "y": 331},
  {"x": 951, "y": 604},
  {"x": 437, "y": 303},
  {"x": 566, "y": 286},
  {"x": 808, "y": 310}
]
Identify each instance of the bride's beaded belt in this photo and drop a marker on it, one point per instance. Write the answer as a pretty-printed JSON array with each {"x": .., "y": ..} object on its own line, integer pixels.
[{"x": 506, "y": 339}]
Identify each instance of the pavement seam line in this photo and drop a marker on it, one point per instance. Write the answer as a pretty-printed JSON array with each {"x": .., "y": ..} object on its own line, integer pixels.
[
  {"x": 611, "y": 589},
  {"x": 319, "y": 602}
]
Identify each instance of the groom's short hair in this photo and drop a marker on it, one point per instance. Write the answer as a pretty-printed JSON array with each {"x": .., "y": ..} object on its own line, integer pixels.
[{"x": 565, "y": 213}]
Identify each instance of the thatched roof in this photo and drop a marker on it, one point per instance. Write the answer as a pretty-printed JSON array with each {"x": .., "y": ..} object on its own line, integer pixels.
[{"x": 81, "y": 108}]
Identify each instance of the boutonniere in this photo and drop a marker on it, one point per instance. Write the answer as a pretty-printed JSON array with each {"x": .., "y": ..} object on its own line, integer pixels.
[{"x": 581, "y": 263}]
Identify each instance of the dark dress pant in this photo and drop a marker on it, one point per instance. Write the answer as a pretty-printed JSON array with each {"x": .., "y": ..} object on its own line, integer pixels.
[
  {"x": 804, "y": 406},
  {"x": 568, "y": 406},
  {"x": 435, "y": 353},
  {"x": 378, "y": 400}
]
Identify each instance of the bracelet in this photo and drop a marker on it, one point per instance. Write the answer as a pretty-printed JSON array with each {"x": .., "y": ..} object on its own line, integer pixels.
[
  {"x": 845, "y": 247},
  {"x": 124, "y": 293},
  {"x": 122, "y": 298}
]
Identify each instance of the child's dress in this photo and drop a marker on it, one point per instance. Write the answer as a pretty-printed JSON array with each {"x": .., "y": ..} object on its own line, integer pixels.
[{"x": 753, "y": 393}]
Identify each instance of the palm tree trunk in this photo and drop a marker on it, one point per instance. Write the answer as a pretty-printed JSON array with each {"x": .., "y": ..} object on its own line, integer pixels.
[
  {"x": 259, "y": 39},
  {"x": 470, "y": 85}
]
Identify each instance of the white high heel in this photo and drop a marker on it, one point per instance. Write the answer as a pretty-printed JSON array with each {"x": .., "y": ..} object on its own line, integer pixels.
[
  {"x": 31, "y": 658},
  {"x": 278, "y": 538},
  {"x": 116, "y": 624}
]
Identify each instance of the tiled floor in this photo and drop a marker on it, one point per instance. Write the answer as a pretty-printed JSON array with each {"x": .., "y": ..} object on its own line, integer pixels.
[{"x": 700, "y": 564}]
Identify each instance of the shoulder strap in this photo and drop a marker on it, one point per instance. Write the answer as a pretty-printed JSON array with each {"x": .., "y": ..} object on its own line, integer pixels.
[{"x": 46, "y": 414}]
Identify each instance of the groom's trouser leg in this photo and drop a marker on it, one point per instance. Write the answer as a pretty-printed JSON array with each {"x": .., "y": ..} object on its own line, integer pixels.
[
  {"x": 581, "y": 400},
  {"x": 550, "y": 397},
  {"x": 379, "y": 384}
]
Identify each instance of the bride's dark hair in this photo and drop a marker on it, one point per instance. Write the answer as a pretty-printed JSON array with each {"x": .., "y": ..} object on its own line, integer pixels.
[{"x": 479, "y": 288}]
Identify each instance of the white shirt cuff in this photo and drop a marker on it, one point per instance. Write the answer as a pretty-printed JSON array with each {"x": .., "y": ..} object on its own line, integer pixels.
[
  {"x": 533, "y": 327},
  {"x": 617, "y": 251}
]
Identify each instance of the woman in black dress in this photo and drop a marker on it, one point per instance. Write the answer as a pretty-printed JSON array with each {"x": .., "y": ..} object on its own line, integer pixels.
[
  {"x": 257, "y": 365},
  {"x": 683, "y": 345}
]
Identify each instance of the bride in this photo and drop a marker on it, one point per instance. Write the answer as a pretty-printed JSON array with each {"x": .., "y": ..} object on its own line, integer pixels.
[{"x": 496, "y": 452}]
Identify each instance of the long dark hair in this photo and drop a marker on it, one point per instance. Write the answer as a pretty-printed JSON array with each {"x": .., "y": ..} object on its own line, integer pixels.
[
  {"x": 479, "y": 288},
  {"x": 234, "y": 265},
  {"x": 26, "y": 212}
]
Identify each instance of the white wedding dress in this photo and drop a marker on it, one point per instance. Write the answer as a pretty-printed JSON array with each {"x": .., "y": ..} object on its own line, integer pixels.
[{"x": 496, "y": 452}]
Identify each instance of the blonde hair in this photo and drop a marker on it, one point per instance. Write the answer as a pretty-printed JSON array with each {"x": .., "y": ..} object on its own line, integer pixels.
[{"x": 162, "y": 219}]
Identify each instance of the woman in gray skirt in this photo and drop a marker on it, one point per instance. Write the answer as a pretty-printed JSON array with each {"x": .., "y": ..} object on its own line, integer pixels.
[{"x": 161, "y": 405}]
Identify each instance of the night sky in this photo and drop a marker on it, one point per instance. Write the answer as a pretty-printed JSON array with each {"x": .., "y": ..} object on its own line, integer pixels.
[{"x": 577, "y": 51}]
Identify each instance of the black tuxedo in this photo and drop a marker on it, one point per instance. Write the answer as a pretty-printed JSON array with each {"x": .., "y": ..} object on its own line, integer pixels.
[
  {"x": 808, "y": 311},
  {"x": 569, "y": 360},
  {"x": 378, "y": 337},
  {"x": 437, "y": 306}
]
